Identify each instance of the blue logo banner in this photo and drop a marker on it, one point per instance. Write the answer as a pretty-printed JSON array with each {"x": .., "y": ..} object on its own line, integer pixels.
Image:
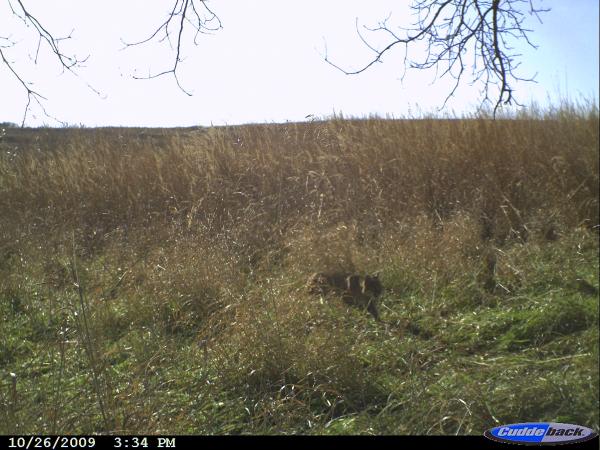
[{"x": 540, "y": 433}]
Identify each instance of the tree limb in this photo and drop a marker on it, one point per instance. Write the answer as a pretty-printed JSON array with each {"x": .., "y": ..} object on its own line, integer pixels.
[
  {"x": 67, "y": 62},
  {"x": 451, "y": 29},
  {"x": 194, "y": 13}
]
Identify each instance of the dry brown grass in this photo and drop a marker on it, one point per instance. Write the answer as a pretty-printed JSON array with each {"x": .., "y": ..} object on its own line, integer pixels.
[
  {"x": 194, "y": 247},
  {"x": 259, "y": 181}
]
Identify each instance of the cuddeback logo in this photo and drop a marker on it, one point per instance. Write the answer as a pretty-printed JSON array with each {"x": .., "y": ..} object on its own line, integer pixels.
[{"x": 544, "y": 433}]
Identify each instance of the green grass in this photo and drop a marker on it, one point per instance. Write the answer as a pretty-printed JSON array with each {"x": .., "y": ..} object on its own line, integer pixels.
[{"x": 154, "y": 281}]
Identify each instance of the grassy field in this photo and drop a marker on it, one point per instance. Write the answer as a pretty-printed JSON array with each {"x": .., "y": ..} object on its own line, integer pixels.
[{"x": 154, "y": 281}]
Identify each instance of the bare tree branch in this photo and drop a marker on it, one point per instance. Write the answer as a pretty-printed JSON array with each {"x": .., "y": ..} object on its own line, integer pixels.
[
  {"x": 193, "y": 13},
  {"x": 67, "y": 62},
  {"x": 31, "y": 94},
  {"x": 453, "y": 29}
]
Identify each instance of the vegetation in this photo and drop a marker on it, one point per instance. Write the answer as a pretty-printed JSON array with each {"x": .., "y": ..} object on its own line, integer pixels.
[{"x": 154, "y": 281}]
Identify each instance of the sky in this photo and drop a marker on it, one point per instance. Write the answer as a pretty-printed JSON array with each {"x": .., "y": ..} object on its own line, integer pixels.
[{"x": 266, "y": 64}]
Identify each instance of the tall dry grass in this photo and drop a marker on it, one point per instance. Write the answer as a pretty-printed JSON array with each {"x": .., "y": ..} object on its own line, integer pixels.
[
  {"x": 192, "y": 250},
  {"x": 259, "y": 180}
]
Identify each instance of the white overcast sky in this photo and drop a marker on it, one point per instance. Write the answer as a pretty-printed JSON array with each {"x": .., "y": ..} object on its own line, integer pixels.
[{"x": 265, "y": 65}]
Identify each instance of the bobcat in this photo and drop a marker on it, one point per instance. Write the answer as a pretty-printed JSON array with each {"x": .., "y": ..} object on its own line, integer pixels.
[{"x": 353, "y": 290}]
